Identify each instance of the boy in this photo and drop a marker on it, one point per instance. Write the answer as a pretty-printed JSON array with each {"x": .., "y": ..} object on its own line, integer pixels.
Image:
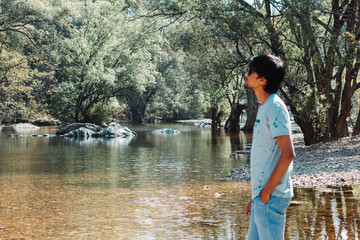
[{"x": 272, "y": 151}]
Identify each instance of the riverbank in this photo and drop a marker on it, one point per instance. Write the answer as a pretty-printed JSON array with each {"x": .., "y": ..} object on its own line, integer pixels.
[
  {"x": 40, "y": 122},
  {"x": 335, "y": 162}
]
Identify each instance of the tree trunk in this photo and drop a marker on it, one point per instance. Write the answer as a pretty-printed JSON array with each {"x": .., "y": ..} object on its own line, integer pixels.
[
  {"x": 233, "y": 122},
  {"x": 251, "y": 111},
  {"x": 305, "y": 123},
  {"x": 356, "y": 130},
  {"x": 77, "y": 115},
  {"x": 215, "y": 116},
  {"x": 138, "y": 116},
  {"x": 341, "y": 123},
  {"x": 307, "y": 128},
  {"x": 138, "y": 104}
]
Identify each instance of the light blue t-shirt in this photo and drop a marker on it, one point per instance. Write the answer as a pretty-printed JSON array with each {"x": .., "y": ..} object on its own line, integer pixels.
[{"x": 272, "y": 120}]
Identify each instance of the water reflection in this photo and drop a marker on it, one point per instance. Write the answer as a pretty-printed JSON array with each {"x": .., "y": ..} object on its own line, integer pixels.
[
  {"x": 152, "y": 187},
  {"x": 91, "y": 142},
  {"x": 240, "y": 147},
  {"x": 324, "y": 213}
]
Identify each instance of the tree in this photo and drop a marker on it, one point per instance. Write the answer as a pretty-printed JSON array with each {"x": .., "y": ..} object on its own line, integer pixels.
[
  {"x": 16, "y": 86},
  {"x": 319, "y": 41},
  {"x": 24, "y": 28},
  {"x": 135, "y": 64},
  {"x": 174, "y": 98},
  {"x": 324, "y": 62},
  {"x": 84, "y": 78},
  {"x": 220, "y": 37},
  {"x": 102, "y": 57},
  {"x": 166, "y": 95},
  {"x": 251, "y": 111},
  {"x": 18, "y": 20}
]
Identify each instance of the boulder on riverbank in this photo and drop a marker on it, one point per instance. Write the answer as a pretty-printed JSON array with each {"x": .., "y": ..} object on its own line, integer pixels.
[
  {"x": 25, "y": 126},
  {"x": 89, "y": 130},
  {"x": 46, "y": 122}
]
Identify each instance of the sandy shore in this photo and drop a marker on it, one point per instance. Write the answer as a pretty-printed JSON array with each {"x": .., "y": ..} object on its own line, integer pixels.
[{"x": 332, "y": 163}]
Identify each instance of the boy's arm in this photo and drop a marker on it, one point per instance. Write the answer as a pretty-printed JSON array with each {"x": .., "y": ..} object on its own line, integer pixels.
[{"x": 287, "y": 155}]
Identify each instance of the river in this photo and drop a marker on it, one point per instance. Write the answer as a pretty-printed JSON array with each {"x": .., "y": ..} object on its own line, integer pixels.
[{"x": 151, "y": 187}]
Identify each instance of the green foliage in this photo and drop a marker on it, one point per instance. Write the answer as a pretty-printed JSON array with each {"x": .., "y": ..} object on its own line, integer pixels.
[
  {"x": 26, "y": 37},
  {"x": 16, "y": 86},
  {"x": 212, "y": 40},
  {"x": 173, "y": 99},
  {"x": 97, "y": 114},
  {"x": 63, "y": 102},
  {"x": 86, "y": 77}
]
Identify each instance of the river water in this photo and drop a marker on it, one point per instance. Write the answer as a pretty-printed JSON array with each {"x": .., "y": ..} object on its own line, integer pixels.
[{"x": 151, "y": 187}]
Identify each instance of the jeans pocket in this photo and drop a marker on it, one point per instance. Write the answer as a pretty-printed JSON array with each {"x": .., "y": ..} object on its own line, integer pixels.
[{"x": 260, "y": 201}]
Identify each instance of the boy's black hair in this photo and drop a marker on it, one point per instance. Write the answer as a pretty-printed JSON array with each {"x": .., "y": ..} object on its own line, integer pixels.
[{"x": 271, "y": 68}]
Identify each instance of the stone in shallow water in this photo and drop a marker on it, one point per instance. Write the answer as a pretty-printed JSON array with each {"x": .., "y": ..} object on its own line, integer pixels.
[
  {"x": 74, "y": 126},
  {"x": 88, "y": 130},
  {"x": 81, "y": 132},
  {"x": 116, "y": 130},
  {"x": 49, "y": 135},
  {"x": 15, "y": 135},
  {"x": 165, "y": 131}
]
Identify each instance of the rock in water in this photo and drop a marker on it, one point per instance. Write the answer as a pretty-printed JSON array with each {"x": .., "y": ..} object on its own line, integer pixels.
[
  {"x": 81, "y": 132},
  {"x": 15, "y": 135},
  {"x": 165, "y": 131},
  {"x": 74, "y": 126},
  {"x": 205, "y": 124},
  {"x": 49, "y": 135},
  {"x": 87, "y": 130},
  {"x": 116, "y": 130}
]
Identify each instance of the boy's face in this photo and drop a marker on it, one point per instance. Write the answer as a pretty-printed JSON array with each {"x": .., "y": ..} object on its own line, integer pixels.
[{"x": 253, "y": 81}]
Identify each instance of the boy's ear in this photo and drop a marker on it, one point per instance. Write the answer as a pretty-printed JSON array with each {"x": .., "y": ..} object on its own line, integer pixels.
[{"x": 263, "y": 81}]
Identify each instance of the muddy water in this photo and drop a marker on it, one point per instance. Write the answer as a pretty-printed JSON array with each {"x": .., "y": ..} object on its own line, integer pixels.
[{"x": 152, "y": 187}]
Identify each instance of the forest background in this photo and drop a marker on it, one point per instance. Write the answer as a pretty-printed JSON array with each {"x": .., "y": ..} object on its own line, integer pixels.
[{"x": 99, "y": 60}]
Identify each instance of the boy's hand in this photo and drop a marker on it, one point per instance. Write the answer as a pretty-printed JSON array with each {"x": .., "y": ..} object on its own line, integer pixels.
[
  {"x": 264, "y": 196},
  {"x": 248, "y": 208}
]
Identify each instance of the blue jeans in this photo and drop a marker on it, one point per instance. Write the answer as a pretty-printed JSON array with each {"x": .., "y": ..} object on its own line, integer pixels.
[{"x": 267, "y": 221}]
